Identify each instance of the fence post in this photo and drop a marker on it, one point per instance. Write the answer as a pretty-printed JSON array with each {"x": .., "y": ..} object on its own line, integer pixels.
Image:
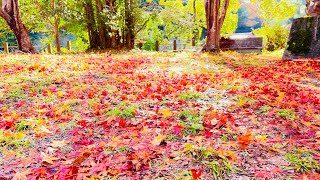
[
  {"x": 69, "y": 45},
  {"x": 6, "y": 47},
  {"x": 157, "y": 45},
  {"x": 49, "y": 49},
  {"x": 193, "y": 42},
  {"x": 174, "y": 45},
  {"x": 139, "y": 45}
]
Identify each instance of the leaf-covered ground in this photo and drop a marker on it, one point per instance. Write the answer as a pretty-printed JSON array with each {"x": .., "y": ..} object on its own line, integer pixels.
[{"x": 158, "y": 116}]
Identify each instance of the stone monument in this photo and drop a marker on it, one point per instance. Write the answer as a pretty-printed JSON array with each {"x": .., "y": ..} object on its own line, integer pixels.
[{"x": 304, "y": 38}]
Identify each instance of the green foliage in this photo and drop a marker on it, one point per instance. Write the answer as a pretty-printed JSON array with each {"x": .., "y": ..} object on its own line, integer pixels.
[
  {"x": 230, "y": 24},
  {"x": 302, "y": 162},
  {"x": 301, "y": 40},
  {"x": 274, "y": 14},
  {"x": 192, "y": 121},
  {"x": 22, "y": 126},
  {"x": 184, "y": 21},
  {"x": 286, "y": 113},
  {"x": 189, "y": 96},
  {"x": 220, "y": 168},
  {"x": 217, "y": 163},
  {"x": 126, "y": 112},
  {"x": 275, "y": 36},
  {"x": 13, "y": 141}
]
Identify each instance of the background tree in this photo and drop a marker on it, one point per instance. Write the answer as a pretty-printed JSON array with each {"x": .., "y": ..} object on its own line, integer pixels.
[
  {"x": 184, "y": 20},
  {"x": 216, "y": 12},
  {"x": 10, "y": 12},
  {"x": 275, "y": 16}
]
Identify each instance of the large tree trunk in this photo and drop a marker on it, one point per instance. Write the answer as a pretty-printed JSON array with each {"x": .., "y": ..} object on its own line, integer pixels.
[
  {"x": 93, "y": 35},
  {"x": 11, "y": 14},
  {"x": 56, "y": 34},
  {"x": 56, "y": 25},
  {"x": 129, "y": 35},
  {"x": 115, "y": 37},
  {"x": 215, "y": 18},
  {"x": 101, "y": 26}
]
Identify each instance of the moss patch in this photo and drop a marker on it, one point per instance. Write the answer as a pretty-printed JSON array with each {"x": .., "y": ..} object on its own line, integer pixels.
[{"x": 301, "y": 40}]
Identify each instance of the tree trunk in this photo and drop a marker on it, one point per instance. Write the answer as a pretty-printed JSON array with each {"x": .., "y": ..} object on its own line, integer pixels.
[
  {"x": 93, "y": 35},
  {"x": 11, "y": 14},
  {"x": 215, "y": 19},
  {"x": 101, "y": 26},
  {"x": 113, "y": 39},
  {"x": 129, "y": 35},
  {"x": 56, "y": 34}
]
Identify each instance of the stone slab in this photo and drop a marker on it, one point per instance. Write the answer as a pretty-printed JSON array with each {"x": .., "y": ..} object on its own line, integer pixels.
[
  {"x": 246, "y": 45},
  {"x": 304, "y": 39}
]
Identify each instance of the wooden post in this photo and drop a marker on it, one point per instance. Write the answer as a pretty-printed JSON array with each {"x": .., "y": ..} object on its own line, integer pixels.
[
  {"x": 49, "y": 49},
  {"x": 69, "y": 45},
  {"x": 139, "y": 45},
  {"x": 193, "y": 42},
  {"x": 6, "y": 47},
  {"x": 175, "y": 45},
  {"x": 157, "y": 45}
]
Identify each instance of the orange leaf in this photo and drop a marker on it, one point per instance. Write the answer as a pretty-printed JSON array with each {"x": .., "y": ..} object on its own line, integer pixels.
[{"x": 245, "y": 140}]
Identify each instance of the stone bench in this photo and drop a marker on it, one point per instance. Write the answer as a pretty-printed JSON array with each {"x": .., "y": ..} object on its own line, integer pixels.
[{"x": 244, "y": 45}]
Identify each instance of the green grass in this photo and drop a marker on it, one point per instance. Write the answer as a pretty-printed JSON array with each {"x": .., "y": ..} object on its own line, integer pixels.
[
  {"x": 126, "y": 112},
  {"x": 302, "y": 162},
  {"x": 286, "y": 114},
  {"x": 189, "y": 96}
]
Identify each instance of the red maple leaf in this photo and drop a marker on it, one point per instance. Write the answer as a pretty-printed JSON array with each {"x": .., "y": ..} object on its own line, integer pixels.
[
  {"x": 122, "y": 123},
  {"x": 177, "y": 129},
  {"x": 195, "y": 174}
]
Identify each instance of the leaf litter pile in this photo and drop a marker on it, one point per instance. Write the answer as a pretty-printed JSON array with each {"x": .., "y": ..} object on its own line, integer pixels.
[{"x": 158, "y": 116}]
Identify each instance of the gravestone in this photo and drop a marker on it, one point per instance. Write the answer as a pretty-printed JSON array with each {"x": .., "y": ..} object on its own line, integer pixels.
[{"x": 304, "y": 37}]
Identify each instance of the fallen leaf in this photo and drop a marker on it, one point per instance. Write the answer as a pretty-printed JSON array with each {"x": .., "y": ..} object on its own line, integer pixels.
[
  {"x": 195, "y": 174},
  {"x": 157, "y": 140},
  {"x": 59, "y": 143},
  {"x": 245, "y": 140},
  {"x": 165, "y": 113},
  {"x": 47, "y": 158}
]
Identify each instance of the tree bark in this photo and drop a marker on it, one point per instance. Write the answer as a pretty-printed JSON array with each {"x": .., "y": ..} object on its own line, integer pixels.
[
  {"x": 214, "y": 19},
  {"x": 129, "y": 35},
  {"x": 101, "y": 26},
  {"x": 93, "y": 35},
  {"x": 56, "y": 34},
  {"x": 10, "y": 12},
  {"x": 56, "y": 27}
]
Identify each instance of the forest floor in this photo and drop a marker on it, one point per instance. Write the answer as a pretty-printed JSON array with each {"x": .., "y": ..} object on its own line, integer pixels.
[{"x": 159, "y": 116}]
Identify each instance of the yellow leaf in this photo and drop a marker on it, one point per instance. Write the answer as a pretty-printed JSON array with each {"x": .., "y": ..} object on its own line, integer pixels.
[
  {"x": 157, "y": 140},
  {"x": 59, "y": 143},
  {"x": 145, "y": 130},
  {"x": 45, "y": 130},
  {"x": 198, "y": 139},
  {"x": 115, "y": 141},
  {"x": 19, "y": 135},
  {"x": 21, "y": 175},
  {"x": 60, "y": 94},
  {"x": 49, "y": 93},
  {"x": 262, "y": 138},
  {"x": 47, "y": 158},
  {"x": 242, "y": 102},
  {"x": 166, "y": 113}
]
